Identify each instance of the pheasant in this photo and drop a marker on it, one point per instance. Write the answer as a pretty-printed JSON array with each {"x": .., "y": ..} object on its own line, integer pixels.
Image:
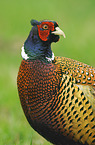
[{"x": 57, "y": 94}]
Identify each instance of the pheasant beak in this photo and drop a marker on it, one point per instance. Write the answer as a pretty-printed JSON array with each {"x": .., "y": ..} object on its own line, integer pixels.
[{"x": 58, "y": 31}]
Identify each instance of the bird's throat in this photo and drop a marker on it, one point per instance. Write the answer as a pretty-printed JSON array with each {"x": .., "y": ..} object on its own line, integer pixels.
[{"x": 36, "y": 50}]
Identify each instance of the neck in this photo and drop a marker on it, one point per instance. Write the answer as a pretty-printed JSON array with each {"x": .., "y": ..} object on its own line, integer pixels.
[{"x": 34, "y": 48}]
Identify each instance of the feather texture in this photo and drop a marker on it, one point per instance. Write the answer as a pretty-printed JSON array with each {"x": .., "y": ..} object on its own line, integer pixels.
[{"x": 57, "y": 96}]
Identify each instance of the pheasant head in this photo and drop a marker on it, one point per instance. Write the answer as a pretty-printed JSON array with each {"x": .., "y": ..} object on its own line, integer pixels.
[{"x": 38, "y": 43}]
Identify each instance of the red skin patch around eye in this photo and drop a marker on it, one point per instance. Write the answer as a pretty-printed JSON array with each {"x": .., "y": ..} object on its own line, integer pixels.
[{"x": 43, "y": 34}]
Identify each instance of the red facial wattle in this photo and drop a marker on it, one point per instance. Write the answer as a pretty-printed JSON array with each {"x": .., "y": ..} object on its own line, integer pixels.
[{"x": 44, "y": 33}]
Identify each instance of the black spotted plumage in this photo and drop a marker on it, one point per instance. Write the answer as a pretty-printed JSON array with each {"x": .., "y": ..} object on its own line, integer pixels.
[{"x": 57, "y": 94}]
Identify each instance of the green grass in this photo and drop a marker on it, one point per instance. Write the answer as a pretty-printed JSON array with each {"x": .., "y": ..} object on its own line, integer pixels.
[{"x": 76, "y": 18}]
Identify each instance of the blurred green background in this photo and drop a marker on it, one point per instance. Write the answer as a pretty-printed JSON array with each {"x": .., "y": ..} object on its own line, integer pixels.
[{"x": 76, "y": 18}]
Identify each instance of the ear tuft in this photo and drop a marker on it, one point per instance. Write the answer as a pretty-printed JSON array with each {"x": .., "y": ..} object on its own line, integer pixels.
[{"x": 34, "y": 22}]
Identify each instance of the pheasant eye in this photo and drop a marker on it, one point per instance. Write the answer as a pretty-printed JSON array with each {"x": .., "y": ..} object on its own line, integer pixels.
[{"x": 45, "y": 27}]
